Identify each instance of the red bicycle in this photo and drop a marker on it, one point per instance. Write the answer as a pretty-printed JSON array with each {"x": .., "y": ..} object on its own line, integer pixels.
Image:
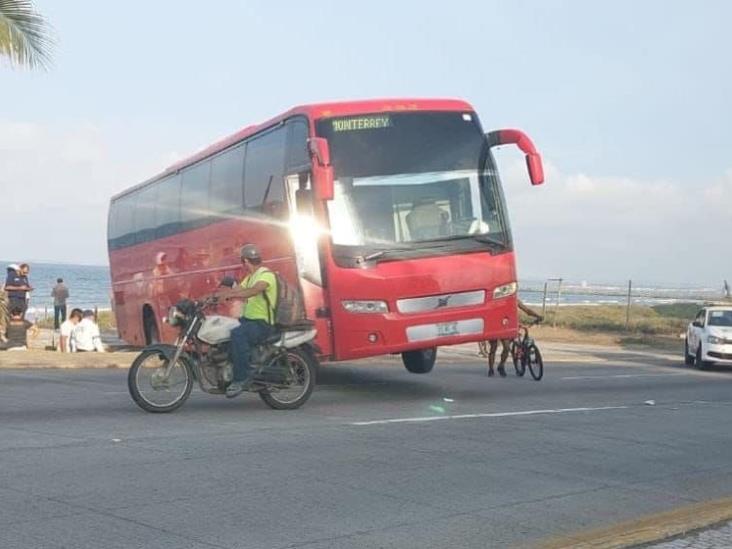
[{"x": 525, "y": 352}]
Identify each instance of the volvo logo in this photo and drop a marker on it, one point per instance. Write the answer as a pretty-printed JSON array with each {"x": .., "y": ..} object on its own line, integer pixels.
[{"x": 442, "y": 301}]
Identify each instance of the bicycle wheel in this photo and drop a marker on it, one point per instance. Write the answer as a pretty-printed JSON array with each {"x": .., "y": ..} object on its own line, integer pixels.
[
  {"x": 535, "y": 362},
  {"x": 517, "y": 356}
]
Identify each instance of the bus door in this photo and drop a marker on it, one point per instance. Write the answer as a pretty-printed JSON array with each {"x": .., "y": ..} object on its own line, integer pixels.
[{"x": 305, "y": 232}]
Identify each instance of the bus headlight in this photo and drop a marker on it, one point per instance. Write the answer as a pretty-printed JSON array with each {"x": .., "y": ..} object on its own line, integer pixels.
[
  {"x": 365, "y": 306},
  {"x": 505, "y": 291}
]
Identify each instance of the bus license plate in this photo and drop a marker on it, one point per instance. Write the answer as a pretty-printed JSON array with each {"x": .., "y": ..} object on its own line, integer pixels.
[{"x": 447, "y": 329}]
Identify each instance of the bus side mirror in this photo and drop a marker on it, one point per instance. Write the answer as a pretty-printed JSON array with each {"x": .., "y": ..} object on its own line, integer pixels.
[
  {"x": 322, "y": 170},
  {"x": 534, "y": 164}
]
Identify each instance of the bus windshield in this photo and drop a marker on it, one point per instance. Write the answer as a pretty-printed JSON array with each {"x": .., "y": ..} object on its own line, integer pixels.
[{"x": 411, "y": 180}]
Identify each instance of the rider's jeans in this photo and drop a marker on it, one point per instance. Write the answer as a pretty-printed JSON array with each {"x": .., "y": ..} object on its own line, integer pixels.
[{"x": 245, "y": 336}]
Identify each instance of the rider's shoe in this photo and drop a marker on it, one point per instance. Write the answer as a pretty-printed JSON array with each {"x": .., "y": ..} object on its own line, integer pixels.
[
  {"x": 491, "y": 373},
  {"x": 236, "y": 388},
  {"x": 502, "y": 371}
]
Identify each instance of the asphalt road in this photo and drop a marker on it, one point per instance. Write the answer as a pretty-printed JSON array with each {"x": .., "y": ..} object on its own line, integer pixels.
[{"x": 513, "y": 461}]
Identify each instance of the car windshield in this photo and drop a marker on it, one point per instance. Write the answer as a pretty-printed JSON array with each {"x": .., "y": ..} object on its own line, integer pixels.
[
  {"x": 720, "y": 318},
  {"x": 407, "y": 180}
]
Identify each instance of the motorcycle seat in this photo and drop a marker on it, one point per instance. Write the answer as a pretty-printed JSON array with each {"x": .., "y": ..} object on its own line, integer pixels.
[
  {"x": 299, "y": 326},
  {"x": 274, "y": 338}
]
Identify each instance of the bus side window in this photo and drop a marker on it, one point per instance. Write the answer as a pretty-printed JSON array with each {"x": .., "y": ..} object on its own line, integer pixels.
[
  {"x": 167, "y": 212},
  {"x": 264, "y": 172},
  {"x": 298, "y": 159},
  {"x": 227, "y": 182},
  {"x": 145, "y": 214},
  {"x": 125, "y": 222},
  {"x": 194, "y": 195}
]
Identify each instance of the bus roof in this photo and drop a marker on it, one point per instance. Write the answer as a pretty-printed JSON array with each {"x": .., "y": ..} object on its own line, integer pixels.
[{"x": 314, "y": 112}]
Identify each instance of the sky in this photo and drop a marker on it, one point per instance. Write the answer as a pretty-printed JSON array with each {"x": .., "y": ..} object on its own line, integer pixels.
[{"x": 628, "y": 102}]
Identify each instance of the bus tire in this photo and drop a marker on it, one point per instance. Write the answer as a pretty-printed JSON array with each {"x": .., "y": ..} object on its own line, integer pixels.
[{"x": 420, "y": 362}]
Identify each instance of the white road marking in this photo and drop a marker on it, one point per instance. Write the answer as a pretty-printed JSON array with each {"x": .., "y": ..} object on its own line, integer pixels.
[
  {"x": 490, "y": 414},
  {"x": 623, "y": 376}
]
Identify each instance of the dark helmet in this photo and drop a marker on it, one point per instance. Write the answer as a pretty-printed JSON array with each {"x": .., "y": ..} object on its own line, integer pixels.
[{"x": 250, "y": 251}]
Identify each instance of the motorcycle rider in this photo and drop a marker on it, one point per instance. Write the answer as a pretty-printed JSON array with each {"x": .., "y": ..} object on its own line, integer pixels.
[{"x": 259, "y": 290}]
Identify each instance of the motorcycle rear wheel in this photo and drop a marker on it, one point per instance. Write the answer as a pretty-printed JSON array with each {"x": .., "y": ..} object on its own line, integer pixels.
[
  {"x": 150, "y": 390},
  {"x": 302, "y": 367}
]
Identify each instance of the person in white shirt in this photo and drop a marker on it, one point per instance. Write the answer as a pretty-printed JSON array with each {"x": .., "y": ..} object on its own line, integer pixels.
[
  {"x": 86, "y": 336},
  {"x": 67, "y": 327}
]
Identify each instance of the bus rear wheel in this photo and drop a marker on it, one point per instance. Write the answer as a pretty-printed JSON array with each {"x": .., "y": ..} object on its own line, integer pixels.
[{"x": 420, "y": 362}]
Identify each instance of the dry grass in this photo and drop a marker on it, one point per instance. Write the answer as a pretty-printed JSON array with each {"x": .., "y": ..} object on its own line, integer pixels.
[
  {"x": 644, "y": 321},
  {"x": 659, "y": 326}
]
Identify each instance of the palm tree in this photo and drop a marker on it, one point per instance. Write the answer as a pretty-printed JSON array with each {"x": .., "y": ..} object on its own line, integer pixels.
[{"x": 25, "y": 37}]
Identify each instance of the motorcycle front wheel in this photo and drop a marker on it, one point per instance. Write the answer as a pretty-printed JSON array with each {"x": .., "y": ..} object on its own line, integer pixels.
[
  {"x": 153, "y": 390},
  {"x": 300, "y": 373}
]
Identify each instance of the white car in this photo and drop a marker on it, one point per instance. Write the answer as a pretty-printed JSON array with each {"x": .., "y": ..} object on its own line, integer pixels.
[{"x": 709, "y": 337}]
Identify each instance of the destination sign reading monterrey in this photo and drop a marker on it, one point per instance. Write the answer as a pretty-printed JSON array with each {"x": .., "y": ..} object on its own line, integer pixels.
[{"x": 361, "y": 123}]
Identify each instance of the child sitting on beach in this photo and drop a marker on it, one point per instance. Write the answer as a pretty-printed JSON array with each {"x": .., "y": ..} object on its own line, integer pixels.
[{"x": 17, "y": 331}]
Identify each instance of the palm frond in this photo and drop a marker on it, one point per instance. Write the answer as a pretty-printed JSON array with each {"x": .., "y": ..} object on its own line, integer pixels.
[{"x": 25, "y": 36}]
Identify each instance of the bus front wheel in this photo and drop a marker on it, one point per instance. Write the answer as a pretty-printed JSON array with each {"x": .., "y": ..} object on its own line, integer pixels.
[{"x": 420, "y": 362}]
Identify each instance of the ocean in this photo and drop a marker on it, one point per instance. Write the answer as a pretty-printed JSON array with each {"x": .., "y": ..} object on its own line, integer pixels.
[{"x": 90, "y": 287}]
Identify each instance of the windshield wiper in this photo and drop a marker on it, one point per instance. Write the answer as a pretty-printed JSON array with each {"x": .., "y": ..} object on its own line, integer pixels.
[
  {"x": 380, "y": 253},
  {"x": 478, "y": 237},
  {"x": 488, "y": 240}
]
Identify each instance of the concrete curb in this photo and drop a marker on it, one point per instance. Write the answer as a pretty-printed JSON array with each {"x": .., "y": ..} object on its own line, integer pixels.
[{"x": 649, "y": 529}]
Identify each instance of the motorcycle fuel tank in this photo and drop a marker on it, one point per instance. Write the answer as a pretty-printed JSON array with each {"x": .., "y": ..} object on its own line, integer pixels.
[{"x": 217, "y": 329}]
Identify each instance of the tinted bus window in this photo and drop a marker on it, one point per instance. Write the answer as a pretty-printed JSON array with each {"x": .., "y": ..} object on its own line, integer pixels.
[
  {"x": 297, "y": 146},
  {"x": 263, "y": 171},
  {"x": 113, "y": 222},
  {"x": 227, "y": 178},
  {"x": 125, "y": 221},
  {"x": 144, "y": 214},
  {"x": 167, "y": 213},
  {"x": 194, "y": 195}
]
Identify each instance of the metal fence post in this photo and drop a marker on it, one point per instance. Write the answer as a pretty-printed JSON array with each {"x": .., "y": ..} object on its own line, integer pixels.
[
  {"x": 627, "y": 309},
  {"x": 559, "y": 298},
  {"x": 543, "y": 300}
]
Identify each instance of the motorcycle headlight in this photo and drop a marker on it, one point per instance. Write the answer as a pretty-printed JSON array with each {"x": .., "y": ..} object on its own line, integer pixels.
[
  {"x": 175, "y": 317},
  {"x": 366, "y": 306},
  {"x": 714, "y": 340},
  {"x": 505, "y": 291}
]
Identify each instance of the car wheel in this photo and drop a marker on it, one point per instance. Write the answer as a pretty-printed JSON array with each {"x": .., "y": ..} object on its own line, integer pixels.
[
  {"x": 688, "y": 357},
  {"x": 699, "y": 363}
]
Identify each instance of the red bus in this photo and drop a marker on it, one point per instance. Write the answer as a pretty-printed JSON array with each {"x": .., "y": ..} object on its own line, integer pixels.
[{"x": 388, "y": 214}]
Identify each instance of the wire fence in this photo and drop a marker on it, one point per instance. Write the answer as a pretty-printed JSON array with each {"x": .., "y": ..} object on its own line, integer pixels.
[{"x": 554, "y": 293}]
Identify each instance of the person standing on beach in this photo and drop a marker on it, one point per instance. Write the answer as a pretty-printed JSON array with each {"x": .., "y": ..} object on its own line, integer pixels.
[
  {"x": 59, "y": 293},
  {"x": 25, "y": 271},
  {"x": 3, "y": 313},
  {"x": 16, "y": 285}
]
